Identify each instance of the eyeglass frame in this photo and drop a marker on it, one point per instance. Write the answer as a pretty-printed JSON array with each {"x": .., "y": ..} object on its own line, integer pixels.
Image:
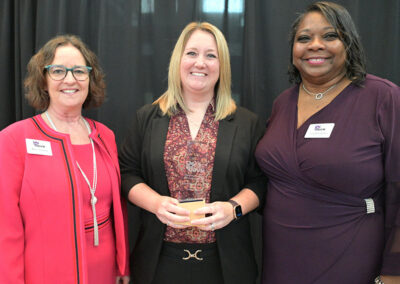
[{"x": 47, "y": 67}]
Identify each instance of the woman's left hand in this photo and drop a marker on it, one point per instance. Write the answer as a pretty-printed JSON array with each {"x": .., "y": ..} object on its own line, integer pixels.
[
  {"x": 387, "y": 279},
  {"x": 221, "y": 214},
  {"x": 122, "y": 280}
]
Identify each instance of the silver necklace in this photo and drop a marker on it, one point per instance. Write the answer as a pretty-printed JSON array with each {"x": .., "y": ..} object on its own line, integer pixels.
[
  {"x": 93, "y": 187},
  {"x": 319, "y": 96}
]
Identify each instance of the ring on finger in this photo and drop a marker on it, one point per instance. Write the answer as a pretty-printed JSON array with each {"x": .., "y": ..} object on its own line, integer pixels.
[{"x": 212, "y": 226}]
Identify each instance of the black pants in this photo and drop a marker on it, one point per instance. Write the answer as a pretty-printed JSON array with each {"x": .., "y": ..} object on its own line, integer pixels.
[{"x": 203, "y": 267}]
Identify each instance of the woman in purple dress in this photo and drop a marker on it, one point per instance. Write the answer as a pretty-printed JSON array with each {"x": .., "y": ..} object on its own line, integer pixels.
[{"x": 332, "y": 155}]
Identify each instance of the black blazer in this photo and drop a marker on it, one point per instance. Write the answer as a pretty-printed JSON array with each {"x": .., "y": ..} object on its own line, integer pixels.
[{"x": 235, "y": 168}]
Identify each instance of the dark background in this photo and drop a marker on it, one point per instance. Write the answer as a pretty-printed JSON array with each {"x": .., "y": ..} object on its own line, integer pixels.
[{"x": 134, "y": 39}]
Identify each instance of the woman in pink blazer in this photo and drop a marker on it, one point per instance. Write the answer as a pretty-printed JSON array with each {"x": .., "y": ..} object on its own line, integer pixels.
[{"x": 61, "y": 216}]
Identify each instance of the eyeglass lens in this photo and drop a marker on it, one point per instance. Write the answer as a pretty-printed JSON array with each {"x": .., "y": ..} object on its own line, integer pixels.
[{"x": 80, "y": 73}]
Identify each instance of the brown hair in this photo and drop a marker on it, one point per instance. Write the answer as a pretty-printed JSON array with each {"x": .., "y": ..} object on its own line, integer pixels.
[{"x": 35, "y": 81}]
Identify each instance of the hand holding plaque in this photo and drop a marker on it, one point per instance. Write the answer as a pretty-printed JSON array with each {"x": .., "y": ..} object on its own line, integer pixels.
[{"x": 192, "y": 205}]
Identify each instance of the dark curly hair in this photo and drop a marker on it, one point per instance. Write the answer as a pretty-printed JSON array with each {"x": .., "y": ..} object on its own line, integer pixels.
[
  {"x": 342, "y": 22},
  {"x": 35, "y": 81}
]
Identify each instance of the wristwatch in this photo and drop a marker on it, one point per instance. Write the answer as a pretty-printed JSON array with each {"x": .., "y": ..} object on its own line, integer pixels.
[
  {"x": 378, "y": 280},
  {"x": 237, "y": 209}
]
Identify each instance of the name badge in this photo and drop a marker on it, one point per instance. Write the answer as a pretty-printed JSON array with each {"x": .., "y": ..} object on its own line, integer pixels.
[
  {"x": 319, "y": 130},
  {"x": 38, "y": 147}
]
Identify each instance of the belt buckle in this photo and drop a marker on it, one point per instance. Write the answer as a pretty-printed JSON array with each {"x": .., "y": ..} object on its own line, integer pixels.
[{"x": 192, "y": 255}]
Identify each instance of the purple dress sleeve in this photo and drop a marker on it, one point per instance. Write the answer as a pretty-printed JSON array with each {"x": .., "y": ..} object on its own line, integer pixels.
[{"x": 389, "y": 120}]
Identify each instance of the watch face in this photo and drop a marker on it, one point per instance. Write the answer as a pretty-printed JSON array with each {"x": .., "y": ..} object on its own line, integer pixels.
[{"x": 238, "y": 211}]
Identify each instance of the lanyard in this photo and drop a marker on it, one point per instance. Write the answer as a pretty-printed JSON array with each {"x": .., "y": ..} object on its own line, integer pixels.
[{"x": 92, "y": 188}]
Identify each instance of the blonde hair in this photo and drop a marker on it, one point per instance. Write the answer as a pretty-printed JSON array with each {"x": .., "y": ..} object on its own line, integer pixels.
[{"x": 224, "y": 104}]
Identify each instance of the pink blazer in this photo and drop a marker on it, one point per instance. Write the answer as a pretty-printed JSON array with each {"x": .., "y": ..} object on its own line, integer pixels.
[{"x": 42, "y": 238}]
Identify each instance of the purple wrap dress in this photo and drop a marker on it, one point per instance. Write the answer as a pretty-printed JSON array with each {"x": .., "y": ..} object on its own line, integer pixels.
[{"x": 331, "y": 213}]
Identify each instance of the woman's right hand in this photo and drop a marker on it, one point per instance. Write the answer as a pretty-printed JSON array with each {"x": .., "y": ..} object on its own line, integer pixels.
[
  {"x": 169, "y": 213},
  {"x": 164, "y": 207}
]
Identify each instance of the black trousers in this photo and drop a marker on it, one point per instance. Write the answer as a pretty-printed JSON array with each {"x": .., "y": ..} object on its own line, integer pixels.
[{"x": 181, "y": 263}]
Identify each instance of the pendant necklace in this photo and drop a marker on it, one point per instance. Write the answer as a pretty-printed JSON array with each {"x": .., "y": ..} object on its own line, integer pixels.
[
  {"x": 319, "y": 96},
  {"x": 92, "y": 188}
]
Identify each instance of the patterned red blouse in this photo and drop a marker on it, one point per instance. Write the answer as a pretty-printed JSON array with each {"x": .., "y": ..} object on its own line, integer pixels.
[{"x": 188, "y": 166}]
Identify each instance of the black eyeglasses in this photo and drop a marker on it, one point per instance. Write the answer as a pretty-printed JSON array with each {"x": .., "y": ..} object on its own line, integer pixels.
[{"x": 59, "y": 72}]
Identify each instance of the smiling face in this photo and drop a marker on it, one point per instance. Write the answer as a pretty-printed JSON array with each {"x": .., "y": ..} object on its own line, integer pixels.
[
  {"x": 318, "y": 52},
  {"x": 67, "y": 94},
  {"x": 199, "y": 68}
]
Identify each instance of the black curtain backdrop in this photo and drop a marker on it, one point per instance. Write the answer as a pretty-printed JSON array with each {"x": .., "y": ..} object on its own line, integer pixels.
[{"x": 134, "y": 39}]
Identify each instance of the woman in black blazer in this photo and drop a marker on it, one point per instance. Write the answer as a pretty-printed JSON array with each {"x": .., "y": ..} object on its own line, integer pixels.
[{"x": 194, "y": 143}]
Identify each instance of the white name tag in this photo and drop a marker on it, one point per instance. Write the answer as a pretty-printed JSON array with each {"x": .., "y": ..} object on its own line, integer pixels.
[
  {"x": 38, "y": 147},
  {"x": 319, "y": 130}
]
